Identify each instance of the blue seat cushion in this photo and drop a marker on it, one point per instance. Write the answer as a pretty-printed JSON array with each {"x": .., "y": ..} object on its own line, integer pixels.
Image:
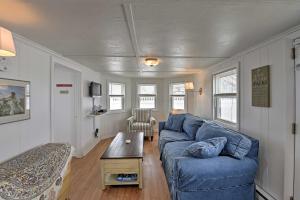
[
  {"x": 175, "y": 122},
  {"x": 237, "y": 144},
  {"x": 172, "y": 151},
  {"x": 206, "y": 149},
  {"x": 167, "y": 136},
  {"x": 213, "y": 173},
  {"x": 191, "y": 124}
]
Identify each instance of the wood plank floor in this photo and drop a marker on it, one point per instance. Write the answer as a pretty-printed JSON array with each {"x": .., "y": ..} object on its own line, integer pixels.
[{"x": 86, "y": 177}]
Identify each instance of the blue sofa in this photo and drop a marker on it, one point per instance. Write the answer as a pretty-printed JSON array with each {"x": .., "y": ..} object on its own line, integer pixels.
[{"x": 223, "y": 177}]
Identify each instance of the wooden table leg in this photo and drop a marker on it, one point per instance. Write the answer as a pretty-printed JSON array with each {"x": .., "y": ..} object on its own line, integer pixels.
[
  {"x": 102, "y": 181},
  {"x": 140, "y": 174}
]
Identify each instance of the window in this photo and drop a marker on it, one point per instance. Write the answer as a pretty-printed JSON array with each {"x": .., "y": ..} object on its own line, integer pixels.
[
  {"x": 116, "y": 92},
  {"x": 225, "y": 96},
  {"x": 177, "y": 96},
  {"x": 147, "y": 96}
]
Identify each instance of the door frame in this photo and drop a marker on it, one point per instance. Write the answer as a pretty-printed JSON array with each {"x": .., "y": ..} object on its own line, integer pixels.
[
  {"x": 295, "y": 43},
  {"x": 78, "y": 99}
]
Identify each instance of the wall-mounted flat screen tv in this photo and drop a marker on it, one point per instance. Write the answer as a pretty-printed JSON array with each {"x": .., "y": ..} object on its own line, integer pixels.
[{"x": 95, "y": 89}]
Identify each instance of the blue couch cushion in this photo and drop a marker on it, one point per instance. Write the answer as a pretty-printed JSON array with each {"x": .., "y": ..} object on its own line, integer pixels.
[
  {"x": 171, "y": 152},
  {"x": 206, "y": 149},
  {"x": 175, "y": 122},
  {"x": 167, "y": 136},
  {"x": 220, "y": 172},
  {"x": 237, "y": 144},
  {"x": 191, "y": 124}
]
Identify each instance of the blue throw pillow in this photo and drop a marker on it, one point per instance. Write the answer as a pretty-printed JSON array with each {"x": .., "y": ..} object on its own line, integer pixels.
[
  {"x": 175, "y": 122},
  {"x": 206, "y": 149},
  {"x": 191, "y": 125},
  {"x": 237, "y": 144}
]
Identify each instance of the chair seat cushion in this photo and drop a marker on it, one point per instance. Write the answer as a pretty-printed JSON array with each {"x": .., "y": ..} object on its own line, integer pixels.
[
  {"x": 140, "y": 126},
  {"x": 167, "y": 136},
  {"x": 206, "y": 149}
]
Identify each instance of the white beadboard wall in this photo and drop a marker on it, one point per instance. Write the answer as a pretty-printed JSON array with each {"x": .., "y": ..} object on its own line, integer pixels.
[
  {"x": 270, "y": 125},
  {"x": 33, "y": 63},
  {"x": 163, "y": 99}
]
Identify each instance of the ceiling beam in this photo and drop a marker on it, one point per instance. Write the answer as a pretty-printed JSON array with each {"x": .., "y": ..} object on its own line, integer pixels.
[
  {"x": 159, "y": 56},
  {"x": 129, "y": 19}
]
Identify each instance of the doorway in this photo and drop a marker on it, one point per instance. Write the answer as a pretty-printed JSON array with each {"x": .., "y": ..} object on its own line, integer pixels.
[{"x": 65, "y": 105}]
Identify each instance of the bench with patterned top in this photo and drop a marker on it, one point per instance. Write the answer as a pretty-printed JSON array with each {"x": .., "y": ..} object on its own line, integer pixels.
[{"x": 36, "y": 174}]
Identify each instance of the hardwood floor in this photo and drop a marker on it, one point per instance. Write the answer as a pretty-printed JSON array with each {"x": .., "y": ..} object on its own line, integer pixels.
[{"x": 86, "y": 177}]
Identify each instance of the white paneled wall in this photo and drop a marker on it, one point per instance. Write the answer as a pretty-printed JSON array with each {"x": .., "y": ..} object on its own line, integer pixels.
[
  {"x": 270, "y": 125},
  {"x": 33, "y": 63}
]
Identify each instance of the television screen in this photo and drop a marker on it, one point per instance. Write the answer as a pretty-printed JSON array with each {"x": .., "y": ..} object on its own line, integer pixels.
[{"x": 95, "y": 89}]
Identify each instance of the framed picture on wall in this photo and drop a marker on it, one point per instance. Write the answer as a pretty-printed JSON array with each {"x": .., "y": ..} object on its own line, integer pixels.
[
  {"x": 261, "y": 87},
  {"x": 14, "y": 100}
]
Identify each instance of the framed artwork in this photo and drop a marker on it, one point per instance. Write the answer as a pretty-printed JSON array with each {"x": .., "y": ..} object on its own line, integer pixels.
[
  {"x": 261, "y": 87},
  {"x": 14, "y": 100}
]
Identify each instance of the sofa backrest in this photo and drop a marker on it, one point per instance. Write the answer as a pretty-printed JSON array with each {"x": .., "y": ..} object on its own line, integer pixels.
[
  {"x": 253, "y": 152},
  {"x": 191, "y": 124}
]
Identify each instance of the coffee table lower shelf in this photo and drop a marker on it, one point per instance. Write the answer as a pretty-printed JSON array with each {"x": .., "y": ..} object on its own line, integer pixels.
[{"x": 111, "y": 167}]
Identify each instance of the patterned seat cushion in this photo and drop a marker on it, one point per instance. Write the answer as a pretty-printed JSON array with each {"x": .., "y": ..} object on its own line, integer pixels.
[
  {"x": 140, "y": 126},
  {"x": 31, "y": 173}
]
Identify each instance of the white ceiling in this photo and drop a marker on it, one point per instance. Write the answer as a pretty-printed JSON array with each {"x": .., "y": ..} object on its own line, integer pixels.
[{"x": 115, "y": 35}]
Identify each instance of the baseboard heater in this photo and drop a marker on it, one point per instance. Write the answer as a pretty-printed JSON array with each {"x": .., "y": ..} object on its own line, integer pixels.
[{"x": 262, "y": 194}]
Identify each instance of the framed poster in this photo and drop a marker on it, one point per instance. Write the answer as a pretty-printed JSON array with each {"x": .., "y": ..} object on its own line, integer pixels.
[
  {"x": 14, "y": 100},
  {"x": 261, "y": 87}
]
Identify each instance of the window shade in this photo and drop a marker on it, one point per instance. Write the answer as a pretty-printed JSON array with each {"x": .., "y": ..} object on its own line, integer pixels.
[
  {"x": 177, "y": 89},
  {"x": 147, "y": 89},
  {"x": 116, "y": 89}
]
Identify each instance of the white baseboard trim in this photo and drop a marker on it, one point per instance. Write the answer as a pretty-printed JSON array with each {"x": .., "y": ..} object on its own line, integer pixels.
[{"x": 263, "y": 195}]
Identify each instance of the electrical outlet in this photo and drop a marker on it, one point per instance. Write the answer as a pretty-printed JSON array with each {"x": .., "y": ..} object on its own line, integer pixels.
[
  {"x": 3, "y": 68},
  {"x": 97, "y": 132}
]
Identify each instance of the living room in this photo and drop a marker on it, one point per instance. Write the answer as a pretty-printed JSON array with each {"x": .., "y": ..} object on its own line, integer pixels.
[{"x": 73, "y": 75}]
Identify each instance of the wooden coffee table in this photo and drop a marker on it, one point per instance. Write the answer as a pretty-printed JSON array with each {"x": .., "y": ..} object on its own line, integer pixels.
[{"x": 122, "y": 158}]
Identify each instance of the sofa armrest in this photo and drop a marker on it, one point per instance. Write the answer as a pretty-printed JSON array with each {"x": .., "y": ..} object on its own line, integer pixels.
[
  {"x": 203, "y": 174},
  {"x": 161, "y": 126}
]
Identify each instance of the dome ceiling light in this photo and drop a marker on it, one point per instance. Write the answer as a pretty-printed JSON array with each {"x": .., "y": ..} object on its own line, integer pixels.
[{"x": 151, "y": 62}]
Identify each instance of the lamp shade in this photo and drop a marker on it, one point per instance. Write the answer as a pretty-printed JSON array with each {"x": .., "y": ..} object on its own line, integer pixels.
[
  {"x": 189, "y": 85},
  {"x": 7, "y": 46}
]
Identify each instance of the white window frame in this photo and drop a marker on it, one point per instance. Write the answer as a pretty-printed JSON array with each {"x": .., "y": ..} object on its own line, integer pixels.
[
  {"x": 236, "y": 95},
  {"x": 123, "y": 97},
  {"x": 171, "y": 96},
  {"x": 147, "y": 95}
]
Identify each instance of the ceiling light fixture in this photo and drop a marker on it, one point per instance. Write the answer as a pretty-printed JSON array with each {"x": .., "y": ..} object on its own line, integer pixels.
[{"x": 151, "y": 62}]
